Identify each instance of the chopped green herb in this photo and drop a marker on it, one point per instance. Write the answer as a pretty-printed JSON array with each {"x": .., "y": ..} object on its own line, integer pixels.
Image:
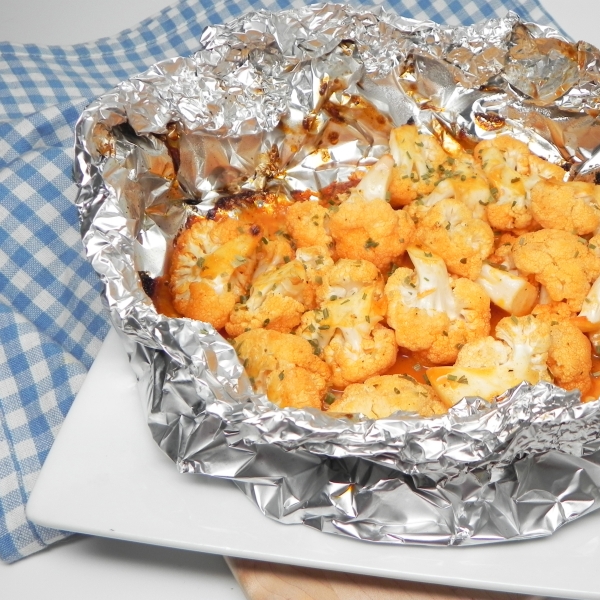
[
  {"x": 319, "y": 279},
  {"x": 452, "y": 377},
  {"x": 396, "y": 390},
  {"x": 329, "y": 399},
  {"x": 264, "y": 240},
  {"x": 428, "y": 254},
  {"x": 281, "y": 375},
  {"x": 367, "y": 318},
  {"x": 408, "y": 377},
  {"x": 323, "y": 327},
  {"x": 417, "y": 367},
  {"x": 200, "y": 261},
  {"x": 463, "y": 261},
  {"x": 515, "y": 180},
  {"x": 266, "y": 322},
  {"x": 514, "y": 319},
  {"x": 371, "y": 244},
  {"x": 286, "y": 259},
  {"x": 463, "y": 379}
]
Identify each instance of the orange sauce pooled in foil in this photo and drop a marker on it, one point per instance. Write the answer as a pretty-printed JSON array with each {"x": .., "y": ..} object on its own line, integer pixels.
[{"x": 594, "y": 391}]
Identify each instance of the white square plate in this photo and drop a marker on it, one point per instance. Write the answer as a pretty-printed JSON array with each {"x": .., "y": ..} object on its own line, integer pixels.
[{"x": 105, "y": 476}]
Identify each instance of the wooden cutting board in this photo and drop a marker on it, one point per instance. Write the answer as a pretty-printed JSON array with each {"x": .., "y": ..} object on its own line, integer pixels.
[{"x": 271, "y": 581}]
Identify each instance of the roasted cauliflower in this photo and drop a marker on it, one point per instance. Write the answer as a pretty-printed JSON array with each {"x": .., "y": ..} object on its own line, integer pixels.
[
  {"x": 432, "y": 314},
  {"x": 211, "y": 269},
  {"x": 449, "y": 230},
  {"x": 560, "y": 261},
  {"x": 284, "y": 367},
  {"x": 572, "y": 206},
  {"x": 487, "y": 367},
  {"x": 512, "y": 170},
  {"x": 380, "y": 238},
  {"x": 308, "y": 225},
  {"x": 346, "y": 330},
  {"x": 418, "y": 160},
  {"x": 379, "y": 397}
]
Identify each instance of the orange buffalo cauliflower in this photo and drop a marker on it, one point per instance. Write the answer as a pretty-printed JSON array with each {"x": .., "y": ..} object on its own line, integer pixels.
[
  {"x": 277, "y": 300},
  {"x": 284, "y": 367},
  {"x": 379, "y": 397},
  {"x": 433, "y": 315},
  {"x": 512, "y": 170},
  {"x": 211, "y": 268},
  {"x": 366, "y": 227},
  {"x": 308, "y": 224},
  {"x": 560, "y": 261},
  {"x": 570, "y": 353},
  {"x": 345, "y": 330},
  {"x": 572, "y": 206},
  {"x": 418, "y": 160},
  {"x": 449, "y": 230},
  {"x": 488, "y": 367}
]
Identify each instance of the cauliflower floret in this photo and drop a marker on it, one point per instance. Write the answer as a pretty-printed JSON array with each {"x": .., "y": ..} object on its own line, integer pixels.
[
  {"x": 560, "y": 261},
  {"x": 308, "y": 224},
  {"x": 418, "y": 158},
  {"x": 573, "y": 206},
  {"x": 382, "y": 236},
  {"x": 570, "y": 353},
  {"x": 512, "y": 171},
  {"x": 450, "y": 230},
  {"x": 346, "y": 330},
  {"x": 431, "y": 314},
  {"x": 211, "y": 268},
  {"x": 379, "y": 397},
  {"x": 502, "y": 255},
  {"x": 283, "y": 367},
  {"x": 488, "y": 367},
  {"x": 588, "y": 319},
  {"x": 271, "y": 254},
  {"x": 349, "y": 277},
  {"x": 277, "y": 300},
  {"x": 316, "y": 262},
  {"x": 510, "y": 292}
]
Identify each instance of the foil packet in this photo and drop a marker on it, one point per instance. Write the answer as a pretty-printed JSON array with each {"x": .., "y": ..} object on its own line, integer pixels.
[{"x": 295, "y": 101}]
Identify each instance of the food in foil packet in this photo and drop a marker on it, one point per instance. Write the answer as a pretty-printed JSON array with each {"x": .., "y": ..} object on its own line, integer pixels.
[
  {"x": 355, "y": 259},
  {"x": 415, "y": 260}
]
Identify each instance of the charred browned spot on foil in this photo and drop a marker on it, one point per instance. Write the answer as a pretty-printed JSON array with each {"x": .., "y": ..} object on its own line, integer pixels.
[
  {"x": 323, "y": 87},
  {"x": 171, "y": 139},
  {"x": 334, "y": 112},
  {"x": 104, "y": 140},
  {"x": 333, "y": 190},
  {"x": 148, "y": 283},
  {"x": 334, "y": 138},
  {"x": 490, "y": 121},
  {"x": 308, "y": 122},
  {"x": 302, "y": 196}
]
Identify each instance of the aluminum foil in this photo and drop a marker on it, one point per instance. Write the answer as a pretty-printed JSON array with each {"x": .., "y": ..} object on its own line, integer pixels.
[{"x": 295, "y": 101}]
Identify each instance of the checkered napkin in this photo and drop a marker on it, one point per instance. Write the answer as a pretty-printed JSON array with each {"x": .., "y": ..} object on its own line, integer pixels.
[{"x": 52, "y": 322}]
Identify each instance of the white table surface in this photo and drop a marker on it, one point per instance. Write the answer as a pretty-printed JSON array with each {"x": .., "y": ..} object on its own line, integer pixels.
[{"x": 94, "y": 568}]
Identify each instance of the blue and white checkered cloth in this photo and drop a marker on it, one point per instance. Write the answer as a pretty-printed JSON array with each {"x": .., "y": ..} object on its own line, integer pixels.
[{"x": 52, "y": 322}]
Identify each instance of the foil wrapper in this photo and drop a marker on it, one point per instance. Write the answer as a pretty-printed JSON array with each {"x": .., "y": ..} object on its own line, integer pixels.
[{"x": 295, "y": 101}]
